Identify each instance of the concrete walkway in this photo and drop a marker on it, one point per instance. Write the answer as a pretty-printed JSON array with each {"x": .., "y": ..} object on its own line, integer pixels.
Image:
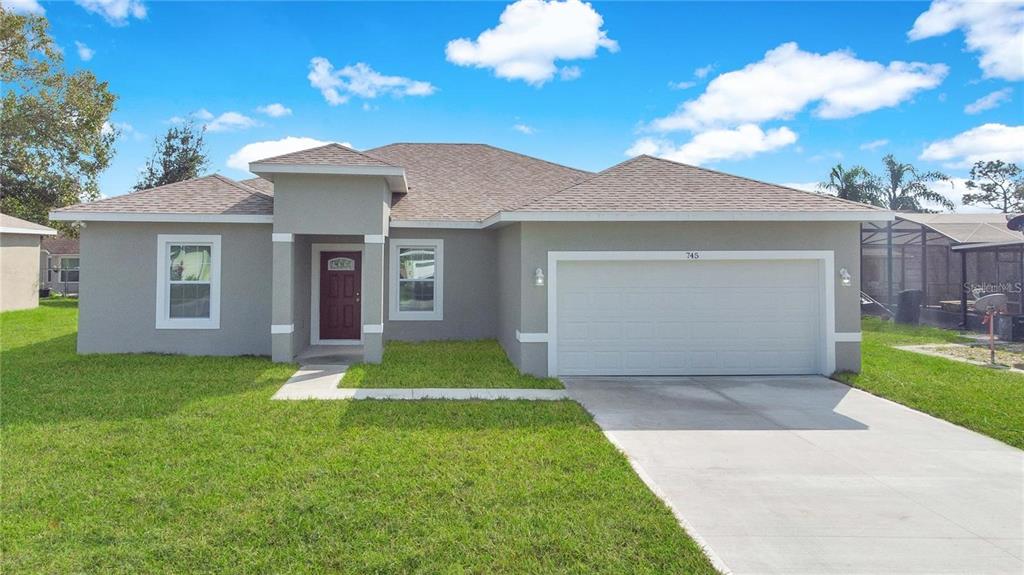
[
  {"x": 806, "y": 475},
  {"x": 321, "y": 382}
]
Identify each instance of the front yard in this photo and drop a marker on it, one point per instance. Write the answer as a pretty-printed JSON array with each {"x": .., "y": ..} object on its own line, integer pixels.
[
  {"x": 149, "y": 463},
  {"x": 444, "y": 364},
  {"x": 979, "y": 398}
]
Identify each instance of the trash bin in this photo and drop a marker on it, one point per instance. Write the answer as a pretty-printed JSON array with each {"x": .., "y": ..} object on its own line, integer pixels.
[
  {"x": 908, "y": 306},
  {"x": 1017, "y": 328}
]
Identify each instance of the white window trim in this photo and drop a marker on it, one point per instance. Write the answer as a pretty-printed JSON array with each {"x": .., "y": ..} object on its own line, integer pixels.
[
  {"x": 314, "y": 292},
  {"x": 163, "y": 319},
  {"x": 61, "y": 270},
  {"x": 826, "y": 270},
  {"x": 394, "y": 314}
]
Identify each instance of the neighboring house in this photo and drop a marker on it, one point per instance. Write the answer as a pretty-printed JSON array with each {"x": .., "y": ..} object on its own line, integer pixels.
[
  {"x": 19, "y": 262},
  {"x": 939, "y": 255},
  {"x": 60, "y": 263},
  {"x": 648, "y": 267}
]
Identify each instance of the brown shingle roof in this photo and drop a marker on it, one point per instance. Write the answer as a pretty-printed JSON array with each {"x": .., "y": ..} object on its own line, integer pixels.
[
  {"x": 265, "y": 186},
  {"x": 648, "y": 184},
  {"x": 212, "y": 194},
  {"x": 60, "y": 245},
  {"x": 329, "y": 155},
  {"x": 469, "y": 182}
]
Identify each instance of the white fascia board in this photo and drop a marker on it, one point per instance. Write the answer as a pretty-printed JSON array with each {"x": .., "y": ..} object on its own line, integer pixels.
[
  {"x": 157, "y": 218},
  {"x": 394, "y": 175},
  {"x": 436, "y": 224},
  {"x": 733, "y": 216},
  {"x": 28, "y": 231}
]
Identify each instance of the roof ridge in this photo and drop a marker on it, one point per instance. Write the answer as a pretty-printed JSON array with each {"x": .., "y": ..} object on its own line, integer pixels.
[
  {"x": 239, "y": 185},
  {"x": 592, "y": 176},
  {"x": 758, "y": 181}
]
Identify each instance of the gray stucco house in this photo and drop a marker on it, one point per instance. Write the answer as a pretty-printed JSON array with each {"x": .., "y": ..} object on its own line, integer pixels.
[{"x": 648, "y": 267}]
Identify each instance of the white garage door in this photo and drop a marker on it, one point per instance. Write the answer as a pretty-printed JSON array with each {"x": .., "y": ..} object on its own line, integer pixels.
[{"x": 689, "y": 317}]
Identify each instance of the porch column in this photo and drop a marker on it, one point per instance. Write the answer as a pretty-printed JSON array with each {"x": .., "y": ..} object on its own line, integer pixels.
[
  {"x": 282, "y": 327},
  {"x": 373, "y": 299}
]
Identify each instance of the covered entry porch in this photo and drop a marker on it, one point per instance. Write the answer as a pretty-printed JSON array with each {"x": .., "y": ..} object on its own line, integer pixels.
[{"x": 327, "y": 297}]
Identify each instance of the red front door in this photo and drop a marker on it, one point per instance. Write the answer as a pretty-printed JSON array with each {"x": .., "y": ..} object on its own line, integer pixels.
[{"x": 340, "y": 281}]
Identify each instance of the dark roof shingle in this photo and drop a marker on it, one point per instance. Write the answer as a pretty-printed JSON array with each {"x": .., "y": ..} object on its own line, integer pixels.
[
  {"x": 328, "y": 155},
  {"x": 469, "y": 182},
  {"x": 214, "y": 194}
]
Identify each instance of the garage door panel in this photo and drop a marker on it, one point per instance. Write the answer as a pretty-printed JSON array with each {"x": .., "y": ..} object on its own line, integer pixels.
[{"x": 688, "y": 318}]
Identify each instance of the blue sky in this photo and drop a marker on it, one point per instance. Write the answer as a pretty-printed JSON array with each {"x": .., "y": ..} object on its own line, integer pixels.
[{"x": 617, "y": 78}]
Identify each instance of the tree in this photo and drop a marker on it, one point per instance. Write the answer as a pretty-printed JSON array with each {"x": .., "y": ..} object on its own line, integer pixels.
[
  {"x": 904, "y": 189},
  {"x": 55, "y": 135},
  {"x": 181, "y": 155},
  {"x": 998, "y": 185},
  {"x": 855, "y": 184}
]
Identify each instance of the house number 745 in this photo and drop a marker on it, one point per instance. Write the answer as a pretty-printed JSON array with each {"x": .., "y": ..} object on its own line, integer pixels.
[{"x": 693, "y": 255}]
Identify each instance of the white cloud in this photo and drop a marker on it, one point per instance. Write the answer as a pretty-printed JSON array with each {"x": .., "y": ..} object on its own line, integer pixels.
[
  {"x": 874, "y": 144},
  {"x": 681, "y": 85},
  {"x": 84, "y": 52},
  {"x": 531, "y": 36},
  {"x": 993, "y": 29},
  {"x": 989, "y": 101},
  {"x": 569, "y": 73},
  {"x": 115, "y": 12},
  {"x": 954, "y": 191},
  {"x": 719, "y": 144},
  {"x": 23, "y": 6},
  {"x": 124, "y": 130},
  {"x": 359, "y": 79},
  {"x": 788, "y": 79},
  {"x": 275, "y": 110},
  {"x": 270, "y": 148},
  {"x": 230, "y": 121},
  {"x": 703, "y": 71},
  {"x": 524, "y": 129},
  {"x": 986, "y": 142},
  {"x": 203, "y": 114}
]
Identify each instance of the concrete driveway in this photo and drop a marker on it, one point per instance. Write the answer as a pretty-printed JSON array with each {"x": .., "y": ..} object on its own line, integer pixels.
[{"x": 806, "y": 475}]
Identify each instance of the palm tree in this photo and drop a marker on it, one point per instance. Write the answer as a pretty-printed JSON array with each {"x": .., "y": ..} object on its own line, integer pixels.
[
  {"x": 855, "y": 184},
  {"x": 904, "y": 189}
]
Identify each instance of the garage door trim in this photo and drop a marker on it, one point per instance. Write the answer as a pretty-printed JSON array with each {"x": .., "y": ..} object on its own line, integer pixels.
[{"x": 826, "y": 259}]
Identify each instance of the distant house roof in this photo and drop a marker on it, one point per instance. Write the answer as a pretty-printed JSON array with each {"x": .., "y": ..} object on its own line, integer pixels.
[
  {"x": 214, "y": 194},
  {"x": 987, "y": 228},
  {"x": 60, "y": 245},
  {"x": 649, "y": 184},
  {"x": 478, "y": 184},
  {"x": 13, "y": 225}
]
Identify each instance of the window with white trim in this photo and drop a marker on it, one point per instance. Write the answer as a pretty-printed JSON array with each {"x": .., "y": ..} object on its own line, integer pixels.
[
  {"x": 69, "y": 269},
  {"x": 188, "y": 282},
  {"x": 416, "y": 284}
]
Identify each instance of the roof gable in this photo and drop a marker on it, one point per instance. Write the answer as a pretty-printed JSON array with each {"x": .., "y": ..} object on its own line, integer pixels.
[
  {"x": 649, "y": 184},
  {"x": 328, "y": 155}
]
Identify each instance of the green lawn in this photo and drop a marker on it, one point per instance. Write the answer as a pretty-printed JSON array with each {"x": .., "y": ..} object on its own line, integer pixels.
[
  {"x": 444, "y": 364},
  {"x": 979, "y": 398},
  {"x": 147, "y": 464}
]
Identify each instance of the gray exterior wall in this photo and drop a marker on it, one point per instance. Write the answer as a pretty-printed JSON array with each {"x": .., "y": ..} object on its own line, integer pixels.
[
  {"x": 537, "y": 239},
  {"x": 329, "y": 204},
  {"x": 117, "y": 299},
  {"x": 510, "y": 288},
  {"x": 470, "y": 287},
  {"x": 19, "y": 271}
]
